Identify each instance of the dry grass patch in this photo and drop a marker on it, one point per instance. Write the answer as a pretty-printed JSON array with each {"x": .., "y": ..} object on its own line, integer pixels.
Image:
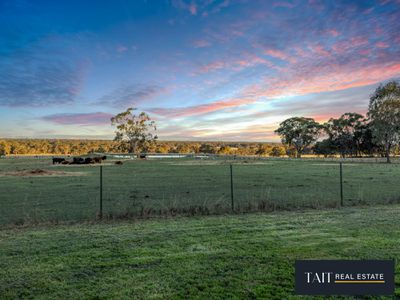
[
  {"x": 41, "y": 173},
  {"x": 217, "y": 162},
  {"x": 334, "y": 164}
]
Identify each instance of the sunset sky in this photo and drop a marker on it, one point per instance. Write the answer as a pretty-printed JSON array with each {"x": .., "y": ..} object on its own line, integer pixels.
[{"x": 204, "y": 70}]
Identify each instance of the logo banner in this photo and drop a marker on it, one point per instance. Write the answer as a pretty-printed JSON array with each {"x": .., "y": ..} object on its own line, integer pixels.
[{"x": 344, "y": 277}]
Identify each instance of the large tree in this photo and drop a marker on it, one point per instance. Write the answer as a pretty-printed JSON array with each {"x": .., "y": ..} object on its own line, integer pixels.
[
  {"x": 299, "y": 133},
  {"x": 325, "y": 147},
  {"x": 135, "y": 132},
  {"x": 384, "y": 112},
  {"x": 345, "y": 133}
]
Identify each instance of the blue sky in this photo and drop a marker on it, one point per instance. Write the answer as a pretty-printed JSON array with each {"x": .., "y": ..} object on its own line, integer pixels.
[{"x": 204, "y": 70}]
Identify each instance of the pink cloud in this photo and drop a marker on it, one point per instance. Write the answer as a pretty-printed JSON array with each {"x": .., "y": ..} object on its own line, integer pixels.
[
  {"x": 201, "y": 109},
  {"x": 193, "y": 9},
  {"x": 248, "y": 60},
  {"x": 318, "y": 49},
  {"x": 283, "y": 4},
  {"x": 201, "y": 43},
  {"x": 365, "y": 52},
  {"x": 301, "y": 52},
  {"x": 86, "y": 119},
  {"x": 369, "y": 10},
  {"x": 252, "y": 132},
  {"x": 280, "y": 55},
  {"x": 333, "y": 78},
  {"x": 121, "y": 49},
  {"x": 216, "y": 65},
  {"x": 180, "y": 4},
  {"x": 382, "y": 45},
  {"x": 276, "y": 53},
  {"x": 348, "y": 45},
  {"x": 333, "y": 32},
  {"x": 251, "y": 60}
]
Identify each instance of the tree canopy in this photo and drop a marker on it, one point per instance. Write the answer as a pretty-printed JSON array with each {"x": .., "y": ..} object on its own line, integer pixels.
[
  {"x": 136, "y": 132},
  {"x": 345, "y": 133},
  {"x": 384, "y": 113},
  {"x": 299, "y": 133}
]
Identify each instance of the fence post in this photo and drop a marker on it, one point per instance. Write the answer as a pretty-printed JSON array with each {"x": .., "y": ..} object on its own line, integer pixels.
[
  {"x": 341, "y": 184},
  {"x": 101, "y": 193},
  {"x": 232, "y": 203}
]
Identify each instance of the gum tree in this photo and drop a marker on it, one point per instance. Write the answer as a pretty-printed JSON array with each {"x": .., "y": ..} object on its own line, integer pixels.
[
  {"x": 384, "y": 113},
  {"x": 345, "y": 132},
  {"x": 134, "y": 132},
  {"x": 299, "y": 133}
]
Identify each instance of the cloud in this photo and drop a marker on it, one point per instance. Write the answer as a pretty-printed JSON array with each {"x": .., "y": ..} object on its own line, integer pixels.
[
  {"x": 201, "y": 132},
  {"x": 325, "y": 105},
  {"x": 277, "y": 54},
  {"x": 333, "y": 32},
  {"x": 319, "y": 50},
  {"x": 193, "y": 9},
  {"x": 40, "y": 74},
  {"x": 350, "y": 44},
  {"x": 201, "y": 109},
  {"x": 246, "y": 60},
  {"x": 201, "y": 43},
  {"x": 122, "y": 48},
  {"x": 355, "y": 59},
  {"x": 382, "y": 45},
  {"x": 216, "y": 65},
  {"x": 330, "y": 78},
  {"x": 130, "y": 95},
  {"x": 283, "y": 4},
  {"x": 85, "y": 119},
  {"x": 190, "y": 7}
]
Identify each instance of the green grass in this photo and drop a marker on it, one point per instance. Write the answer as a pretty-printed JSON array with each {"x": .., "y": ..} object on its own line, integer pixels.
[
  {"x": 236, "y": 256},
  {"x": 183, "y": 186}
]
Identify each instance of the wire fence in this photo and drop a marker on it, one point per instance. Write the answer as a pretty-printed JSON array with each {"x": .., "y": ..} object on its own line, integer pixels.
[{"x": 34, "y": 191}]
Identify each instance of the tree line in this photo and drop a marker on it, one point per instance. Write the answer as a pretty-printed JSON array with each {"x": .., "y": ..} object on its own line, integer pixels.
[
  {"x": 82, "y": 147},
  {"x": 351, "y": 134}
]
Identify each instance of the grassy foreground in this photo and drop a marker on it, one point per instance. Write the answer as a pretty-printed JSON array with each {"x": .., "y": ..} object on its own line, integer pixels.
[{"x": 238, "y": 256}]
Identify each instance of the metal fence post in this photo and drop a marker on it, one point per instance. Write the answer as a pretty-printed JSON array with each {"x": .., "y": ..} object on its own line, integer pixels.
[
  {"x": 232, "y": 203},
  {"x": 341, "y": 184},
  {"x": 101, "y": 193}
]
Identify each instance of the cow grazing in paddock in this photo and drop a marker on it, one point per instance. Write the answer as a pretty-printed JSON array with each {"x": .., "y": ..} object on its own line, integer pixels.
[
  {"x": 65, "y": 162},
  {"x": 118, "y": 162},
  {"x": 78, "y": 161},
  {"x": 89, "y": 160},
  {"x": 58, "y": 160}
]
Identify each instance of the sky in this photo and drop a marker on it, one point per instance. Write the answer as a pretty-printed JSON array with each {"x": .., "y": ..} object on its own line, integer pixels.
[{"x": 223, "y": 70}]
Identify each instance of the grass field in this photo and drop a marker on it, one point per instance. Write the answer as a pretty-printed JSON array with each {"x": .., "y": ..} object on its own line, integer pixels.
[
  {"x": 185, "y": 186},
  {"x": 236, "y": 256}
]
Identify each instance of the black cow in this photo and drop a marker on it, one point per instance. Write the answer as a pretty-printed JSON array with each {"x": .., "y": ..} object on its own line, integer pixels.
[
  {"x": 89, "y": 160},
  {"x": 58, "y": 160},
  {"x": 78, "y": 161}
]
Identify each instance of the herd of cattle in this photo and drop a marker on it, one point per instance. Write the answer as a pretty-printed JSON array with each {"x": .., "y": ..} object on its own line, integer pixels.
[{"x": 79, "y": 160}]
